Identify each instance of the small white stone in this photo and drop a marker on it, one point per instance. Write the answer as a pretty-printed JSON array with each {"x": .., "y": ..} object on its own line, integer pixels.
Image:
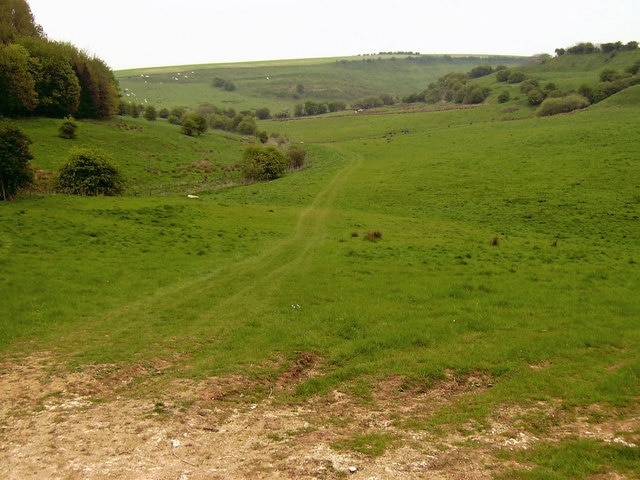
[{"x": 353, "y": 469}]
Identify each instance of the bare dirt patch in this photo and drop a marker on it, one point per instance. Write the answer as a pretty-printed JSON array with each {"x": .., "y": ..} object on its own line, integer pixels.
[{"x": 98, "y": 423}]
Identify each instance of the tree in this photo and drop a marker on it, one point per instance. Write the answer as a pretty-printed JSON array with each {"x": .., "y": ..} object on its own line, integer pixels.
[
  {"x": 150, "y": 113},
  {"x": 56, "y": 83},
  {"x": 263, "y": 163},
  {"x": 16, "y": 20},
  {"x": 15, "y": 172},
  {"x": 90, "y": 172},
  {"x": 194, "y": 124},
  {"x": 17, "y": 88}
]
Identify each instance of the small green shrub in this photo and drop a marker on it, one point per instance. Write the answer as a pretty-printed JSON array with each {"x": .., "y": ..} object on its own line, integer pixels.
[
  {"x": 296, "y": 156},
  {"x": 89, "y": 172},
  {"x": 553, "y": 106},
  {"x": 263, "y": 163},
  {"x": 68, "y": 129}
]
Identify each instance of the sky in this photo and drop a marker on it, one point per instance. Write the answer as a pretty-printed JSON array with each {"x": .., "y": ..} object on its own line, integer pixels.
[{"x": 153, "y": 33}]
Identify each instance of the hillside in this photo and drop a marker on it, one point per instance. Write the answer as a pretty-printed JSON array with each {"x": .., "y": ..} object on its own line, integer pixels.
[{"x": 276, "y": 84}]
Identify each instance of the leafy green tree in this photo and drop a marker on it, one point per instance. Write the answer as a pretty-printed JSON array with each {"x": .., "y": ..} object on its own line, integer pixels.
[
  {"x": 263, "y": 163},
  {"x": 16, "y": 20},
  {"x": 194, "y": 124},
  {"x": 90, "y": 172},
  {"x": 15, "y": 172},
  {"x": 18, "y": 93},
  {"x": 56, "y": 83},
  {"x": 516, "y": 76},
  {"x": 247, "y": 126},
  {"x": 150, "y": 113}
]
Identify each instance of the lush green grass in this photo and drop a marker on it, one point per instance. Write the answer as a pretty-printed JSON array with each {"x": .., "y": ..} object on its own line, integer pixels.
[{"x": 509, "y": 249}]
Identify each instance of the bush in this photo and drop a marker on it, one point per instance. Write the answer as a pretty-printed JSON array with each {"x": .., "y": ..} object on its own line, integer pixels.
[
  {"x": 516, "y": 77},
  {"x": 504, "y": 97},
  {"x": 15, "y": 172},
  {"x": 194, "y": 124},
  {"x": 535, "y": 97},
  {"x": 263, "y": 163},
  {"x": 373, "y": 236},
  {"x": 68, "y": 129},
  {"x": 150, "y": 113},
  {"x": 296, "y": 156},
  {"x": 553, "y": 106},
  {"x": 263, "y": 113},
  {"x": 89, "y": 172},
  {"x": 503, "y": 75}
]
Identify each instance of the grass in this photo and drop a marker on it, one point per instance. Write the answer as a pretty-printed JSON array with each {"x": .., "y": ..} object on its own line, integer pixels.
[
  {"x": 274, "y": 84},
  {"x": 549, "y": 313}
]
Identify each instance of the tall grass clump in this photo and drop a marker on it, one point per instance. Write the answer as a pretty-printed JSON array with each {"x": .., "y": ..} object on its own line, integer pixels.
[{"x": 555, "y": 105}]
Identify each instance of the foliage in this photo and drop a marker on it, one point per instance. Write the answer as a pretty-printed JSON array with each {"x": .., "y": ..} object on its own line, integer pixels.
[
  {"x": 150, "y": 113},
  {"x": 263, "y": 113},
  {"x": 49, "y": 78},
  {"x": 16, "y": 20},
  {"x": 481, "y": 71},
  {"x": 504, "y": 96},
  {"x": 194, "y": 124},
  {"x": 553, "y": 106},
  {"x": 18, "y": 93},
  {"x": 263, "y": 163},
  {"x": 15, "y": 172},
  {"x": 535, "y": 96},
  {"x": 296, "y": 156},
  {"x": 68, "y": 128},
  {"x": 89, "y": 172}
]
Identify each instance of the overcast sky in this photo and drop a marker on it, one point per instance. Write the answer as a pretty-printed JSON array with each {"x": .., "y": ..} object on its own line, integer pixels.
[{"x": 145, "y": 33}]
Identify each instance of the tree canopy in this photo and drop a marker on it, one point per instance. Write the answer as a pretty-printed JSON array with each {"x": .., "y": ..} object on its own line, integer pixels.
[{"x": 49, "y": 78}]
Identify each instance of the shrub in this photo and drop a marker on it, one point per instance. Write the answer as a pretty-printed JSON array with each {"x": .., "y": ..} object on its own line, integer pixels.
[
  {"x": 194, "y": 124},
  {"x": 89, "y": 172},
  {"x": 475, "y": 95},
  {"x": 150, "y": 113},
  {"x": 504, "y": 97},
  {"x": 516, "y": 77},
  {"x": 263, "y": 163},
  {"x": 296, "y": 156},
  {"x": 15, "y": 172},
  {"x": 503, "y": 75},
  {"x": 535, "y": 97},
  {"x": 263, "y": 113},
  {"x": 68, "y": 129},
  {"x": 553, "y": 106},
  {"x": 373, "y": 236}
]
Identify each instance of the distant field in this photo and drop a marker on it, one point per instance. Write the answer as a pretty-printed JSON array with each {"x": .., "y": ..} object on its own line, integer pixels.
[{"x": 489, "y": 328}]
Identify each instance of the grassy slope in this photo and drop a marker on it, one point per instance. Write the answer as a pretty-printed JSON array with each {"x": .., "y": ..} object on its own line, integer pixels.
[
  {"x": 273, "y": 84},
  {"x": 550, "y": 314}
]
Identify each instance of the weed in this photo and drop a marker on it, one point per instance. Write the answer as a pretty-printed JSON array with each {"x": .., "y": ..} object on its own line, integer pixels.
[{"x": 373, "y": 236}]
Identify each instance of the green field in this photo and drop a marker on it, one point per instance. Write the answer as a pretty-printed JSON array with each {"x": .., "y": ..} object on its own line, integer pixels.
[{"x": 503, "y": 289}]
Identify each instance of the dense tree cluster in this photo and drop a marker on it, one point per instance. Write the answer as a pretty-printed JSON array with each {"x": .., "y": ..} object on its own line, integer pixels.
[
  {"x": 42, "y": 77},
  {"x": 454, "y": 88},
  {"x": 588, "y": 47},
  {"x": 15, "y": 171}
]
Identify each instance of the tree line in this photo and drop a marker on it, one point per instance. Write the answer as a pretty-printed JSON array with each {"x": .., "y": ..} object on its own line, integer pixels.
[{"x": 47, "y": 78}]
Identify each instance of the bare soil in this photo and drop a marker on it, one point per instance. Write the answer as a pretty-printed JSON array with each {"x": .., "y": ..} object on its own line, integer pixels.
[{"x": 122, "y": 422}]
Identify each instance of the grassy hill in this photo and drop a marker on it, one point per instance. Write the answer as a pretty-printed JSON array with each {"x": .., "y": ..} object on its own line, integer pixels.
[
  {"x": 274, "y": 84},
  {"x": 490, "y": 330}
]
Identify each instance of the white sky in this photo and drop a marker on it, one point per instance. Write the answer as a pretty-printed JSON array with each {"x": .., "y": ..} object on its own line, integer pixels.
[{"x": 147, "y": 33}]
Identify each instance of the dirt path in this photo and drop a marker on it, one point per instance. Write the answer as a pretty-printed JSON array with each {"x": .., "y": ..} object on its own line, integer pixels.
[{"x": 80, "y": 426}]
